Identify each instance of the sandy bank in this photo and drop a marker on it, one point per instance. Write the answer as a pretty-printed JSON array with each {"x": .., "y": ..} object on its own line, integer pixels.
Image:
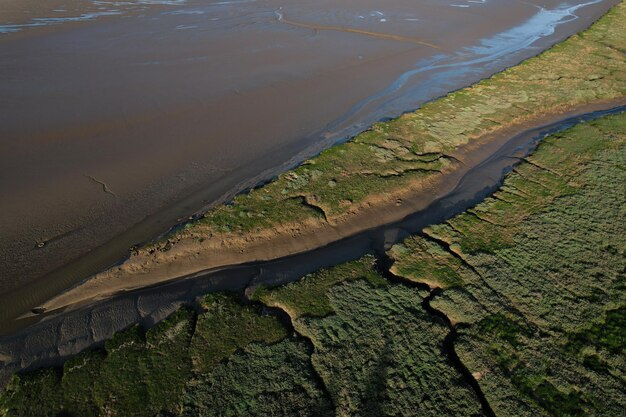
[
  {"x": 189, "y": 257},
  {"x": 175, "y": 124}
]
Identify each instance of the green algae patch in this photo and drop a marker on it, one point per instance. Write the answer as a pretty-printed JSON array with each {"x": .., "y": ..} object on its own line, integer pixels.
[
  {"x": 226, "y": 326},
  {"x": 541, "y": 311}
]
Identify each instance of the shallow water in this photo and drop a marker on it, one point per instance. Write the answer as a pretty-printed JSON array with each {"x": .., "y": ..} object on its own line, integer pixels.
[{"x": 119, "y": 119}]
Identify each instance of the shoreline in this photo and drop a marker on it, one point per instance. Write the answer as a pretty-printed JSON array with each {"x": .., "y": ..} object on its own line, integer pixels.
[
  {"x": 63, "y": 334},
  {"x": 478, "y": 140},
  {"x": 63, "y": 244},
  {"x": 388, "y": 172},
  {"x": 318, "y": 235},
  {"x": 396, "y": 167},
  {"x": 496, "y": 205}
]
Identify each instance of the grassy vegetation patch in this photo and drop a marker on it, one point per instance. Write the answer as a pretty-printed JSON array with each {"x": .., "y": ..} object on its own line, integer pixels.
[
  {"x": 549, "y": 397},
  {"x": 548, "y": 251},
  {"x": 227, "y": 326},
  {"x": 503, "y": 327},
  {"x": 376, "y": 349},
  {"x": 425, "y": 261},
  {"x": 380, "y": 354},
  {"x": 259, "y": 380},
  {"x": 608, "y": 334},
  {"x": 309, "y": 296}
]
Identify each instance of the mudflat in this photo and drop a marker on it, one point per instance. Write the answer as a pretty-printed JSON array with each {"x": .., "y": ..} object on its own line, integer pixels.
[
  {"x": 120, "y": 119},
  {"x": 392, "y": 170}
]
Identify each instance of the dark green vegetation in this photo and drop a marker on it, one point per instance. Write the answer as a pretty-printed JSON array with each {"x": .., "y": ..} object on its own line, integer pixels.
[
  {"x": 260, "y": 380},
  {"x": 136, "y": 373},
  {"x": 244, "y": 364},
  {"x": 540, "y": 278},
  {"x": 237, "y": 326},
  {"x": 376, "y": 349},
  {"x": 186, "y": 365}
]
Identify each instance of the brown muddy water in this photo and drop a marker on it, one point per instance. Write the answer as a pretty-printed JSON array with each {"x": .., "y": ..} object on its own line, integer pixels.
[{"x": 120, "y": 119}]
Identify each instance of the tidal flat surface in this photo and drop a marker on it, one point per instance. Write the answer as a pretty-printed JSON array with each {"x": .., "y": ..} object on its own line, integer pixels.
[{"x": 120, "y": 119}]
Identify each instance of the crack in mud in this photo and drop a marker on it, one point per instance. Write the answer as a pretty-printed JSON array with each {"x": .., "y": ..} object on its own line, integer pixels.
[{"x": 105, "y": 187}]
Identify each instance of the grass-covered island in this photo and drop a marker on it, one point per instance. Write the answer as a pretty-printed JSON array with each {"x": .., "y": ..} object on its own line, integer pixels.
[
  {"x": 513, "y": 308},
  {"x": 389, "y": 171},
  {"x": 516, "y": 307}
]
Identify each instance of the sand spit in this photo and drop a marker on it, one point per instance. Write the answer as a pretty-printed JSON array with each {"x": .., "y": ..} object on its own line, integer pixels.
[
  {"x": 225, "y": 98},
  {"x": 189, "y": 257},
  {"x": 386, "y": 173},
  {"x": 389, "y": 171}
]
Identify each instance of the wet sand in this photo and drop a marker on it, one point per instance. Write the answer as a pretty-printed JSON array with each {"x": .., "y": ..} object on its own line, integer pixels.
[
  {"x": 114, "y": 127},
  {"x": 62, "y": 334}
]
